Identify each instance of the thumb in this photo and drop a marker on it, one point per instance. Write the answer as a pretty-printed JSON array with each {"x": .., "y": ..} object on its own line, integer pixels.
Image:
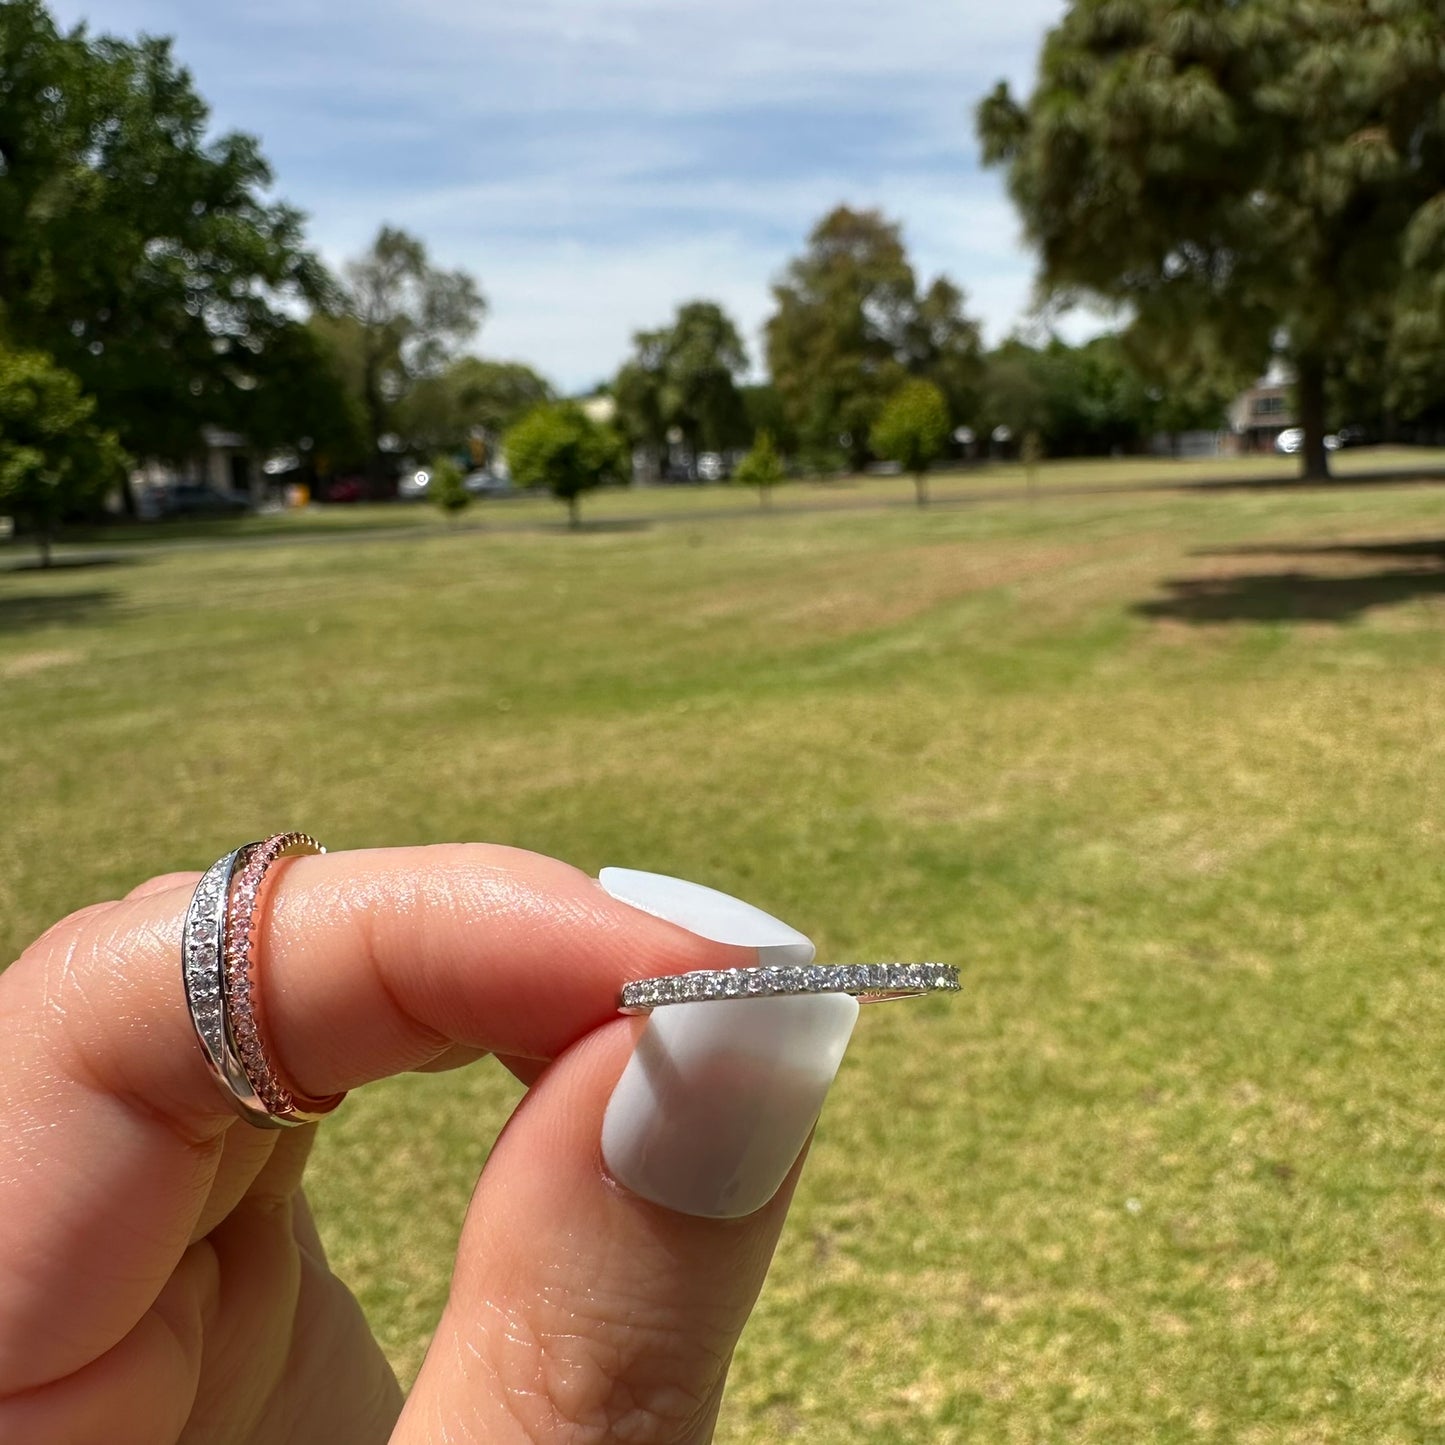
[{"x": 624, "y": 1224}]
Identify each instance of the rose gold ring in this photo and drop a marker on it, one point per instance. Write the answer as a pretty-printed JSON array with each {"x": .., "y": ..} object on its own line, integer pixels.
[{"x": 219, "y": 959}]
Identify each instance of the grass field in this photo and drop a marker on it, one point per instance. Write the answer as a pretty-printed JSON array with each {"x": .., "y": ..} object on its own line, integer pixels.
[{"x": 1161, "y": 772}]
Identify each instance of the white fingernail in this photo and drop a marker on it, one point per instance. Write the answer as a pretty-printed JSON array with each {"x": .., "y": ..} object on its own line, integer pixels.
[
  {"x": 708, "y": 913},
  {"x": 718, "y": 1099}
]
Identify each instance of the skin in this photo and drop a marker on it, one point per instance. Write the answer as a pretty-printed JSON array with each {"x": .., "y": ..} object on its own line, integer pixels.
[{"x": 161, "y": 1278}]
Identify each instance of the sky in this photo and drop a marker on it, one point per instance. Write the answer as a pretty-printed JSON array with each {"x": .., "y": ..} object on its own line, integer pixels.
[{"x": 594, "y": 163}]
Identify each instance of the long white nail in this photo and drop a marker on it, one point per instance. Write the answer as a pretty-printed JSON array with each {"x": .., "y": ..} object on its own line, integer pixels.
[
  {"x": 719, "y": 1098},
  {"x": 709, "y": 914}
]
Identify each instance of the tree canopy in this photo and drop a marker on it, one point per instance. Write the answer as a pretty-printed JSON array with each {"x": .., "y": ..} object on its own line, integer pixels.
[
  {"x": 686, "y": 376},
  {"x": 471, "y": 399},
  {"x": 1246, "y": 178},
  {"x": 143, "y": 256},
  {"x": 912, "y": 430},
  {"x": 851, "y": 326},
  {"x": 400, "y": 321},
  {"x": 762, "y": 468},
  {"x": 560, "y": 448},
  {"x": 54, "y": 459}
]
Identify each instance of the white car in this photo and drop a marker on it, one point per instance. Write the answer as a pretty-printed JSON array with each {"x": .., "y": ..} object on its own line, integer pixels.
[
  {"x": 1292, "y": 440},
  {"x": 413, "y": 487}
]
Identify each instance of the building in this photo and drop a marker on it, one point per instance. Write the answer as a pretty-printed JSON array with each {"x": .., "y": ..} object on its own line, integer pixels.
[{"x": 1261, "y": 412}]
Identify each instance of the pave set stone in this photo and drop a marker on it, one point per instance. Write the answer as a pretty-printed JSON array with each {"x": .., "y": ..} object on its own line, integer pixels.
[
  {"x": 217, "y": 950},
  {"x": 868, "y": 980},
  {"x": 203, "y": 958},
  {"x": 237, "y": 971}
]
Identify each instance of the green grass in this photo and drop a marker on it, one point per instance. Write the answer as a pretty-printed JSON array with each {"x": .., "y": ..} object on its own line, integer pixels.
[{"x": 1162, "y": 772}]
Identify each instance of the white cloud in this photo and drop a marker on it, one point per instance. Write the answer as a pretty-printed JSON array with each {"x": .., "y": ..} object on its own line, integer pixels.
[{"x": 596, "y": 161}]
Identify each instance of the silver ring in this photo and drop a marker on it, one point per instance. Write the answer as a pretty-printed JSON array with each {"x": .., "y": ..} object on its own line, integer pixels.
[
  {"x": 215, "y": 966},
  {"x": 202, "y": 956},
  {"x": 868, "y": 982}
]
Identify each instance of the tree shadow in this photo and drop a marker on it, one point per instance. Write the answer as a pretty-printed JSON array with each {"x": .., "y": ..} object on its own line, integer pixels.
[
  {"x": 1287, "y": 596},
  {"x": 1298, "y": 595},
  {"x": 1430, "y": 476},
  {"x": 604, "y": 524},
  {"x": 1423, "y": 548},
  {"x": 20, "y": 612},
  {"x": 68, "y": 563}
]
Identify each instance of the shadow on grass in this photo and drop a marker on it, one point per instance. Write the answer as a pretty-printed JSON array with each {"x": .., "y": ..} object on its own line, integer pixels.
[
  {"x": 66, "y": 563},
  {"x": 23, "y": 611},
  {"x": 1288, "y": 596},
  {"x": 1420, "y": 548},
  {"x": 1299, "y": 596},
  {"x": 1304, "y": 596},
  {"x": 601, "y": 524},
  {"x": 1383, "y": 477}
]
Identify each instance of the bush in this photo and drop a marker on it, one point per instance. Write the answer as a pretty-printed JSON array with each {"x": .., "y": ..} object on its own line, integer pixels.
[
  {"x": 447, "y": 488},
  {"x": 761, "y": 468}
]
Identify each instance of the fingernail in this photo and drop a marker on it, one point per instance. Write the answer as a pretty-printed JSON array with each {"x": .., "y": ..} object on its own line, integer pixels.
[
  {"x": 708, "y": 913},
  {"x": 719, "y": 1098}
]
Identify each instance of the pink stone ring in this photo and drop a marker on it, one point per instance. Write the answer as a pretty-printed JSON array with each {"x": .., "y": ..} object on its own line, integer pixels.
[{"x": 218, "y": 960}]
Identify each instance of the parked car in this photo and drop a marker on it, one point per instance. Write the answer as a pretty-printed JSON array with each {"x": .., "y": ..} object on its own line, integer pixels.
[
  {"x": 711, "y": 467},
  {"x": 343, "y": 489},
  {"x": 196, "y": 499},
  {"x": 413, "y": 487},
  {"x": 484, "y": 483},
  {"x": 1292, "y": 440}
]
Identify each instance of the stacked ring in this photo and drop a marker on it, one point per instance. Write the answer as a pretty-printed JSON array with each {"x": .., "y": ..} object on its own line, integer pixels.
[
  {"x": 218, "y": 953},
  {"x": 868, "y": 982}
]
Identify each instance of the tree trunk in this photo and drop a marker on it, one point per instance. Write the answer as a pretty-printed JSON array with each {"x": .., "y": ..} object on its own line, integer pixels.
[
  {"x": 42, "y": 540},
  {"x": 1311, "y": 388},
  {"x": 920, "y": 487},
  {"x": 765, "y": 497},
  {"x": 574, "y": 512}
]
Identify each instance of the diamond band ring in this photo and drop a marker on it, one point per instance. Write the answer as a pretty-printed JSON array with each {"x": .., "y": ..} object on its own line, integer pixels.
[
  {"x": 217, "y": 965},
  {"x": 868, "y": 982}
]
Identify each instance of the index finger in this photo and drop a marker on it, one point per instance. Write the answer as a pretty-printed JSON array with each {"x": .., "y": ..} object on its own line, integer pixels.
[{"x": 368, "y": 964}]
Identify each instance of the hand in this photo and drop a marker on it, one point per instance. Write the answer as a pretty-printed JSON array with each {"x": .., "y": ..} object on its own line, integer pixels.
[{"x": 161, "y": 1278}]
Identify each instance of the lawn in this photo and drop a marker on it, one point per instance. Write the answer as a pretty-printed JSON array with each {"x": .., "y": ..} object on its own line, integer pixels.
[{"x": 1161, "y": 772}]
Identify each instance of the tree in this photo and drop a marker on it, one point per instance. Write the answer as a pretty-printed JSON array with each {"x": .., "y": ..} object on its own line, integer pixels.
[
  {"x": 850, "y": 328},
  {"x": 54, "y": 459},
  {"x": 447, "y": 489},
  {"x": 471, "y": 400},
  {"x": 561, "y": 448},
  {"x": 685, "y": 376},
  {"x": 913, "y": 431},
  {"x": 1255, "y": 176},
  {"x": 761, "y": 468},
  {"x": 401, "y": 320},
  {"x": 139, "y": 254},
  {"x": 305, "y": 405}
]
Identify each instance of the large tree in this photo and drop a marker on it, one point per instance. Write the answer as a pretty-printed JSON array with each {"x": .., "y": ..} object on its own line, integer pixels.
[
  {"x": 401, "y": 321},
  {"x": 143, "y": 255},
  {"x": 686, "y": 376},
  {"x": 472, "y": 402},
  {"x": 851, "y": 326},
  {"x": 54, "y": 459},
  {"x": 1243, "y": 176}
]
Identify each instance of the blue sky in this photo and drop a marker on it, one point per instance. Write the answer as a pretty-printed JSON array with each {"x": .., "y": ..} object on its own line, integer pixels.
[{"x": 596, "y": 162}]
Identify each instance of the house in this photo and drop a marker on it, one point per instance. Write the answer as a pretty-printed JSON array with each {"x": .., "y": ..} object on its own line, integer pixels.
[
  {"x": 1261, "y": 412},
  {"x": 226, "y": 463}
]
